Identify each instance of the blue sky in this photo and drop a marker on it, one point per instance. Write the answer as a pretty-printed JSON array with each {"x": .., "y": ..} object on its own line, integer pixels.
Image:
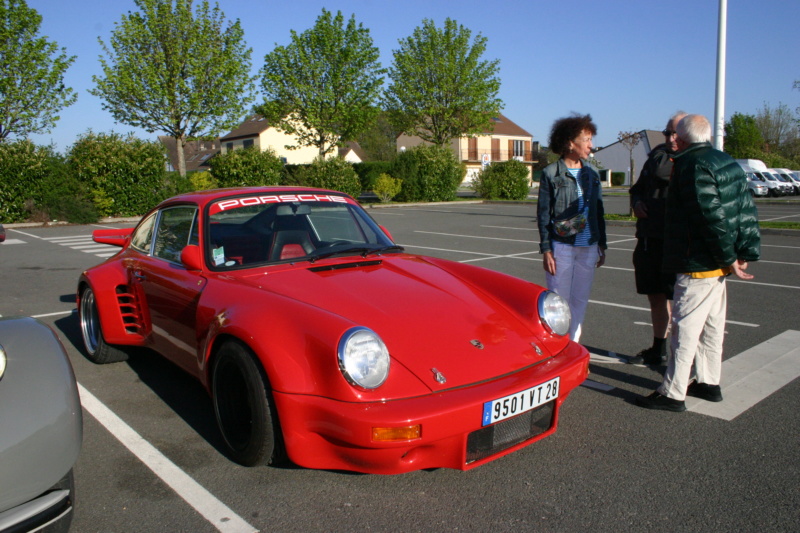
[{"x": 629, "y": 63}]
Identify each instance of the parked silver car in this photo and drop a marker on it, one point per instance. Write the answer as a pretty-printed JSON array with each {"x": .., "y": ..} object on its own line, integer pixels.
[{"x": 41, "y": 428}]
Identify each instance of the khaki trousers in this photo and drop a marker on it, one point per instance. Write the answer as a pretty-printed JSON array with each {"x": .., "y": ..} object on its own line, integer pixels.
[{"x": 698, "y": 330}]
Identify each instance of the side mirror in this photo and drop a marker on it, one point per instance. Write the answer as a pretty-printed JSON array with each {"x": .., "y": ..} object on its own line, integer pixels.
[{"x": 192, "y": 258}]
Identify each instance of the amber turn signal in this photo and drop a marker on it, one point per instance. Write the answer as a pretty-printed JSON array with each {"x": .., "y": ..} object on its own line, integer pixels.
[{"x": 395, "y": 434}]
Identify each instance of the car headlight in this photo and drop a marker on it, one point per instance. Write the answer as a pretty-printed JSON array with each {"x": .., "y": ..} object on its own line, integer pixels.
[
  {"x": 363, "y": 358},
  {"x": 554, "y": 313},
  {"x": 2, "y": 362}
]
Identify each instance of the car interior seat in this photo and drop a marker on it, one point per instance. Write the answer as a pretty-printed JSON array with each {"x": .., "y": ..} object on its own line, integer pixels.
[{"x": 291, "y": 237}]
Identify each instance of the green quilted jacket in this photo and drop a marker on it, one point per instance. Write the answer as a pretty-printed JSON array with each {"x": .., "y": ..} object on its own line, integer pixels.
[{"x": 711, "y": 220}]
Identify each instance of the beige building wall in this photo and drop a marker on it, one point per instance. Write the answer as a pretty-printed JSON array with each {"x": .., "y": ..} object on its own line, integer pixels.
[{"x": 277, "y": 141}]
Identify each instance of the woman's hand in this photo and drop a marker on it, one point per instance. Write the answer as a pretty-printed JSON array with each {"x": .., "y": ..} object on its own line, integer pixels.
[
  {"x": 549, "y": 263},
  {"x": 601, "y": 260}
]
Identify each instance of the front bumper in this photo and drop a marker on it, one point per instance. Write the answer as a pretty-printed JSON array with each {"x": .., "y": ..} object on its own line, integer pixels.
[{"x": 324, "y": 433}]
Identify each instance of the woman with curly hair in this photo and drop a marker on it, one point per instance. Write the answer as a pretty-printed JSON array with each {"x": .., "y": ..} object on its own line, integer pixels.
[{"x": 570, "y": 213}]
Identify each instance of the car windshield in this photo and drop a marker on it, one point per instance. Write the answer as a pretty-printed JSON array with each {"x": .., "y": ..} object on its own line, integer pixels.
[{"x": 243, "y": 232}]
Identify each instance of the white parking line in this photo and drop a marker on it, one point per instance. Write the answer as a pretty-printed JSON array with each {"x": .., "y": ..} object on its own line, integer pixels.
[
  {"x": 208, "y": 506},
  {"x": 753, "y": 375}
]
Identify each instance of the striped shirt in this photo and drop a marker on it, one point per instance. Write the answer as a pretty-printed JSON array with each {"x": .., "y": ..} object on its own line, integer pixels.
[{"x": 582, "y": 238}]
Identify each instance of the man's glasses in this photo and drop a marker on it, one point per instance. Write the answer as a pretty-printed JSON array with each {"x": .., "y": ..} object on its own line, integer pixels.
[{"x": 669, "y": 133}]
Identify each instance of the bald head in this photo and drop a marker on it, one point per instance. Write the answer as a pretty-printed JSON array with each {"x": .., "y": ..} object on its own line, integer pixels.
[{"x": 694, "y": 129}]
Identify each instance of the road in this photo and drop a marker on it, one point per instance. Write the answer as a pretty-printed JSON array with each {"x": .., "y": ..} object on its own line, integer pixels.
[{"x": 151, "y": 458}]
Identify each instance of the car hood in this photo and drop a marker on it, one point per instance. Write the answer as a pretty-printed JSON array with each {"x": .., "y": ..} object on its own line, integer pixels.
[{"x": 431, "y": 320}]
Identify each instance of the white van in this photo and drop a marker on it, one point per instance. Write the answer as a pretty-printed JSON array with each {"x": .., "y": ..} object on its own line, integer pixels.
[
  {"x": 758, "y": 184},
  {"x": 786, "y": 183},
  {"x": 788, "y": 177}
]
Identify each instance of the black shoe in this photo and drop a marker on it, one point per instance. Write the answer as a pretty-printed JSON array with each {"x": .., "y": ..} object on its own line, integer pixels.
[
  {"x": 660, "y": 402},
  {"x": 711, "y": 393},
  {"x": 648, "y": 356}
]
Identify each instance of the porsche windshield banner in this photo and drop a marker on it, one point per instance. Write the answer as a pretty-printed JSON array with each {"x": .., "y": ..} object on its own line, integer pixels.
[{"x": 236, "y": 203}]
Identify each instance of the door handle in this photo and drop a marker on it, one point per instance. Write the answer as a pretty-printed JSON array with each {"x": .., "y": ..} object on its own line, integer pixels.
[{"x": 139, "y": 276}]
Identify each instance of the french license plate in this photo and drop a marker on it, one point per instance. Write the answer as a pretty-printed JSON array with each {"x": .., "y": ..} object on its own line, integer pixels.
[{"x": 517, "y": 403}]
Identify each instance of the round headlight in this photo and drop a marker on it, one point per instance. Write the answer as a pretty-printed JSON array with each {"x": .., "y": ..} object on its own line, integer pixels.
[
  {"x": 554, "y": 313},
  {"x": 363, "y": 358}
]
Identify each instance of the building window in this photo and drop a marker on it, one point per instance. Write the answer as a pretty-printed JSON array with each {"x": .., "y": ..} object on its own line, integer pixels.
[
  {"x": 247, "y": 143},
  {"x": 472, "y": 149},
  {"x": 229, "y": 147},
  {"x": 519, "y": 149}
]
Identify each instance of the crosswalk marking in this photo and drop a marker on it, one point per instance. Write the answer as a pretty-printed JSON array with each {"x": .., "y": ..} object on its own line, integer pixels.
[
  {"x": 85, "y": 243},
  {"x": 753, "y": 375}
]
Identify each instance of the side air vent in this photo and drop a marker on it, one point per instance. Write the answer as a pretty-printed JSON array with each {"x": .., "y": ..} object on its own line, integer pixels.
[{"x": 129, "y": 310}]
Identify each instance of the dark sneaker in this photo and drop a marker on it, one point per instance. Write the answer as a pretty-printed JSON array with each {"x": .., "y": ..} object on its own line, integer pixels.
[
  {"x": 710, "y": 393},
  {"x": 648, "y": 356},
  {"x": 660, "y": 402}
]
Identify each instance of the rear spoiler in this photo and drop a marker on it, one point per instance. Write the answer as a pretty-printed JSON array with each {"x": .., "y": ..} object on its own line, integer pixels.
[{"x": 114, "y": 237}]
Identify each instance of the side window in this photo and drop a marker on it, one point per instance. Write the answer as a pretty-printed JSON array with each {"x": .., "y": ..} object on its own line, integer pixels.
[
  {"x": 143, "y": 236},
  {"x": 175, "y": 226}
]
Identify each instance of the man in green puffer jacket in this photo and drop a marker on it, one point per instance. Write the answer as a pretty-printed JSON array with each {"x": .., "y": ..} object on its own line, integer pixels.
[{"x": 711, "y": 231}]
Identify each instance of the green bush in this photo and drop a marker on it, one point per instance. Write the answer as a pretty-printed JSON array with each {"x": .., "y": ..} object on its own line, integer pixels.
[
  {"x": 202, "y": 181},
  {"x": 334, "y": 173},
  {"x": 429, "y": 174},
  {"x": 387, "y": 187},
  {"x": 247, "y": 167},
  {"x": 617, "y": 178},
  {"x": 124, "y": 175},
  {"x": 506, "y": 180},
  {"x": 23, "y": 168},
  {"x": 369, "y": 171}
]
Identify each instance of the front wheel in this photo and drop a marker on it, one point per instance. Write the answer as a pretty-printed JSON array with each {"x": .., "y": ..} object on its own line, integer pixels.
[
  {"x": 242, "y": 406},
  {"x": 97, "y": 349}
]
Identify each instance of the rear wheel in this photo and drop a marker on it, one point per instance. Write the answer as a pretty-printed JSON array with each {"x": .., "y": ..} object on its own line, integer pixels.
[
  {"x": 242, "y": 406},
  {"x": 97, "y": 349}
]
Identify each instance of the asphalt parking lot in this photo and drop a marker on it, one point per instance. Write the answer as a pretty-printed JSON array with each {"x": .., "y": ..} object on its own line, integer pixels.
[{"x": 151, "y": 459}]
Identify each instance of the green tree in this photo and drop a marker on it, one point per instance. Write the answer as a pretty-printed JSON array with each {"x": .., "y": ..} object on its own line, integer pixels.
[
  {"x": 379, "y": 140},
  {"x": 441, "y": 89},
  {"x": 743, "y": 139},
  {"x": 173, "y": 70},
  {"x": 324, "y": 85},
  {"x": 32, "y": 90},
  {"x": 777, "y": 125}
]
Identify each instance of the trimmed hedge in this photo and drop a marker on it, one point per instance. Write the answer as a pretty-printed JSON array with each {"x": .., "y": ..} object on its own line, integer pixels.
[
  {"x": 429, "y": 174},
  {"x": 334, "y": 173},
  {"x": 23, "y": 169},
  {"x": 505, "y": 180},
  {"x": 247, "y": 167},
  {"x": 125, "y": 175}
]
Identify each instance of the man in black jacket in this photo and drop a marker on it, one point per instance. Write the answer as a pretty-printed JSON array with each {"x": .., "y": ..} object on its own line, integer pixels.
[
  {"x": 648, "y": 201},
  {"x": 711, "y": 232}
]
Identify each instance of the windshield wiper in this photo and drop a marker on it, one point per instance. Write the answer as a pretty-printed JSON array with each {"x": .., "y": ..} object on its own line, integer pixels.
[
  {"x": 363, "y": 251},
  {"x": 390, "y": 248}
]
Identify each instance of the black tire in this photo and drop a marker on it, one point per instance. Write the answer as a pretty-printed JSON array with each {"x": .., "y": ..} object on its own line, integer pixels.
[
  {"x": 97, "y": 350},
  {"x": 242, "y": 405}
]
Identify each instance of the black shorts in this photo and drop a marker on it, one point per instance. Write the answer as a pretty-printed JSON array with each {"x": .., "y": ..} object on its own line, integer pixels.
[{"x": 647, "y": 266}]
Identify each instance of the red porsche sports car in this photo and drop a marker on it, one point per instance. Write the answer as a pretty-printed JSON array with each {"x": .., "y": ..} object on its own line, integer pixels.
[{"x": 321, "y": 341}]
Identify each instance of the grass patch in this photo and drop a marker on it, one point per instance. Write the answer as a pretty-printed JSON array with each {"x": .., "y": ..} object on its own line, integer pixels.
[{"x": 779, "y": 225}]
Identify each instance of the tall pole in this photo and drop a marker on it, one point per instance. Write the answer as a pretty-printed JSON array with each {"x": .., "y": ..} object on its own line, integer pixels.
[{"x": 719, "y": 111}]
